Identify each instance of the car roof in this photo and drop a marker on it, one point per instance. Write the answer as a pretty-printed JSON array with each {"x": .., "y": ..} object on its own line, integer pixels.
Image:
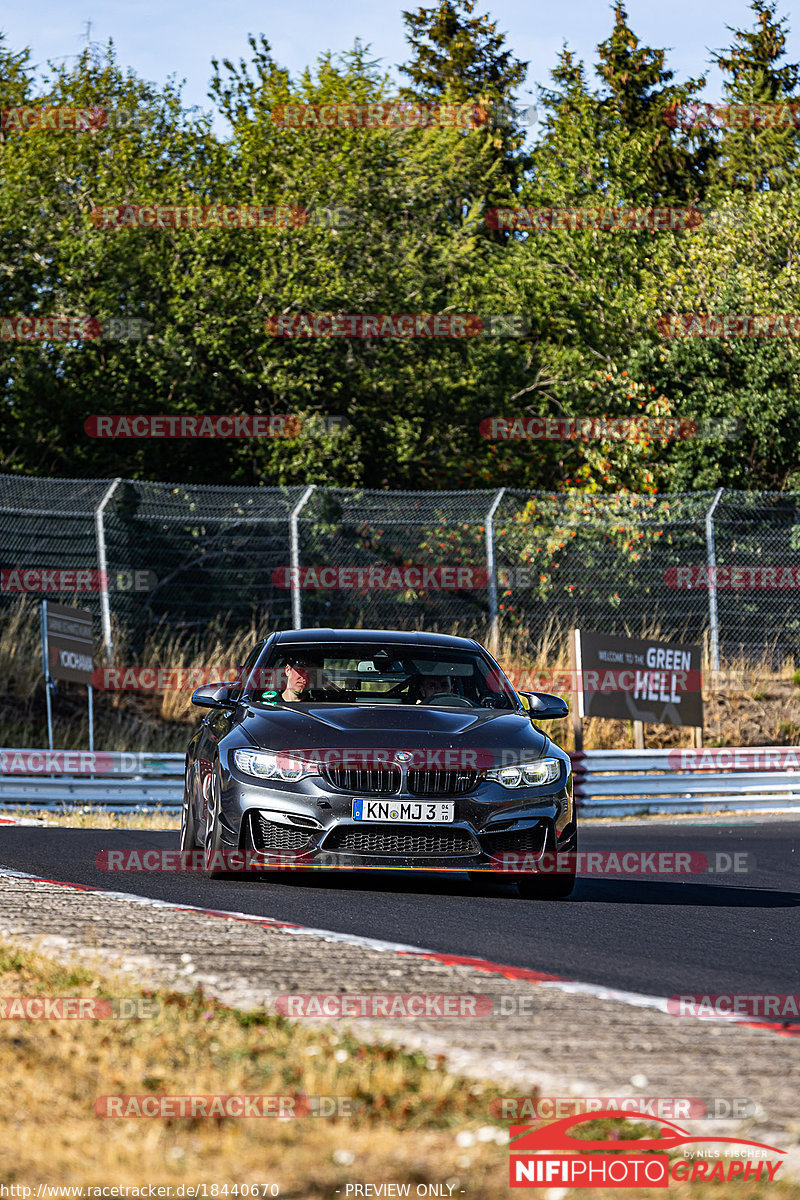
[{"x": 390, "y": 636}]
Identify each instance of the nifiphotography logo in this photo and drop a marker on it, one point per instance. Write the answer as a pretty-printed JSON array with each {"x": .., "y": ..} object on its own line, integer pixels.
[{"x": 545, "y": 1156}]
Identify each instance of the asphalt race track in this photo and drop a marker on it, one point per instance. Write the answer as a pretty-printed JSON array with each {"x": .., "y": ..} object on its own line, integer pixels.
[{"x": 658, "y": 935}]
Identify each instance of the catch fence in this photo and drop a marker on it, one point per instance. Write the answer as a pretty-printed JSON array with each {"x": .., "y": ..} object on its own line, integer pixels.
[{"x": 719, "y": 564}]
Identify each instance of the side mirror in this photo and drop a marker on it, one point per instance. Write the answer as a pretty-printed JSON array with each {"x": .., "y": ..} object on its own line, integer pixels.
[
  {"x": 543, "y": 705},
  {"x": 214, "y": 695}
]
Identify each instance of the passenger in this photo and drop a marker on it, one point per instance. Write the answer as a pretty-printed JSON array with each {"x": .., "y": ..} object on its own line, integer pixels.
[{"x": 422, "y": 687}]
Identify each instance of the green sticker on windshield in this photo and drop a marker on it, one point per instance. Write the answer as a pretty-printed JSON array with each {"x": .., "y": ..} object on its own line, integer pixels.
[{"x": 268, "y": 695}]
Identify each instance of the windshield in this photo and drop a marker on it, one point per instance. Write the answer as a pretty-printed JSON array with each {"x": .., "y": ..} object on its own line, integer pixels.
[{"x": 377, "y": 673}]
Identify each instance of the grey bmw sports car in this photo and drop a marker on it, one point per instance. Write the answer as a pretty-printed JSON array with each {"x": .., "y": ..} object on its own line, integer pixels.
[{"x": 379, "y": 749}]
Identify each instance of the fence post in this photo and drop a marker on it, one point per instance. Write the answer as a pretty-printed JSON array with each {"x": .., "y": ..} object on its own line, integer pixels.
[
  {"x": 491, "y": 572},
  {"x": 102, "y": 566},
  {"x": 713, "y": 614},
  {"x": 294, "y": 551},
  {"x": 46, "y": 671}
]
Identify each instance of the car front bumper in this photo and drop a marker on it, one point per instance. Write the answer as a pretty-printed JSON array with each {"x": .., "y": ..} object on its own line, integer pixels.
[{"x": 309, "y": 824}]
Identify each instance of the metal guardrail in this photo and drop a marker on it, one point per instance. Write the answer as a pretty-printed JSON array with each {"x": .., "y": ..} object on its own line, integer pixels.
[
  {"x": 115, "y": 780},
  {"x": 614, "y": 782},
  {"x": 607, "y": 782}
]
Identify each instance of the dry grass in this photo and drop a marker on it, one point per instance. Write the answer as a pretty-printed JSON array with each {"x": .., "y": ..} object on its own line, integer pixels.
[
  {"x": 124, "y": 720},
  {"x": 412, "y": 1121},
  {"x": 748, "y": 705},
  {"x": 91, "y": 817}
]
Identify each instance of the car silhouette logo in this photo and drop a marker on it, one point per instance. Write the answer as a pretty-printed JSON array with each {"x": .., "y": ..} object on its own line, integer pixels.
[{"x": 556, "y": 1136}]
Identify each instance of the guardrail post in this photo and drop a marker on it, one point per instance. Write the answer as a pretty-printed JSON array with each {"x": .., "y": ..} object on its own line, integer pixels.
[
  {"x": 491, "y": 572},
  {"x": 294, "y": 551},
  {"x": 711, "y": 553},
  {"x": 102, "y": 566}
]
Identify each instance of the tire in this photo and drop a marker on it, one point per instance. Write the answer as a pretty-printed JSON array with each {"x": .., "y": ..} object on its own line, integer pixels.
[
  {"x": 213, "y": 844},
  {"x": 188, "y": 827}
]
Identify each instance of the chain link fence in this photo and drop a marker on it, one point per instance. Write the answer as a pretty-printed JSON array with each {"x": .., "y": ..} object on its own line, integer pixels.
[{"x": 485, "y": 563}]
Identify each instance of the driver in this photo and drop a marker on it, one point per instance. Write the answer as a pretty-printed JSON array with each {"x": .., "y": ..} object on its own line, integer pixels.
[
  {"x": 298, "y": 678},
  {"x": 299, "y": 671}
]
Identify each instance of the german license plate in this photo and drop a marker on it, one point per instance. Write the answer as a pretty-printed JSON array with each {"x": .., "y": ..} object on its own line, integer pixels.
[{"x": 428, "y": 813}]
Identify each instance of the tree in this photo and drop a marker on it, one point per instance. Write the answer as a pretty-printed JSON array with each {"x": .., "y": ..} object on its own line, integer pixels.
[
  {"x": 764, "y": 153},
  {"x": 736, "y": 267},
  {"x": 635, "y": 104},
  {"x": 456, "y": 53},
  {"x": 66, "y": 266},
  {"x": 458, "y": 57}
]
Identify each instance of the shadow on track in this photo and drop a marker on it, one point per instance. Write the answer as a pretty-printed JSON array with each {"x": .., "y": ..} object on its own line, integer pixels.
[
  {"x": 706, "y": 895},
  {"x": 587, "y": 890}
]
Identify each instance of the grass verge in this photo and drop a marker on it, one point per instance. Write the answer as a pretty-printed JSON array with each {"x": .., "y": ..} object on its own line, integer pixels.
[{"x": 413, "y": 1122}]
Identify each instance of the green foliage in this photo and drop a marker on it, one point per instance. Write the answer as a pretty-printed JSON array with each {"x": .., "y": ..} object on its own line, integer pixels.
[
  {"x": 762, "y": 155},
  {"x": 408, "y": 233}
]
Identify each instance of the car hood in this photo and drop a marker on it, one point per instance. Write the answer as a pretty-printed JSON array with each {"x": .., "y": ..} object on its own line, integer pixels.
[{"x": 398, "y": 728}]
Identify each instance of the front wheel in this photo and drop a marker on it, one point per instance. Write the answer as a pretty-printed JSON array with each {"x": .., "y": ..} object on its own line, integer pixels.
[
  {"x": 188, "y": 829},
  {"x": 214, "y": 864}
]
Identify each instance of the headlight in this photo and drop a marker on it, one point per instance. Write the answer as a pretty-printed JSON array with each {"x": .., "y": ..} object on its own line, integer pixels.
[
  {"x": 531, "y": 774},
  {"x": 265, "y": 764}
]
